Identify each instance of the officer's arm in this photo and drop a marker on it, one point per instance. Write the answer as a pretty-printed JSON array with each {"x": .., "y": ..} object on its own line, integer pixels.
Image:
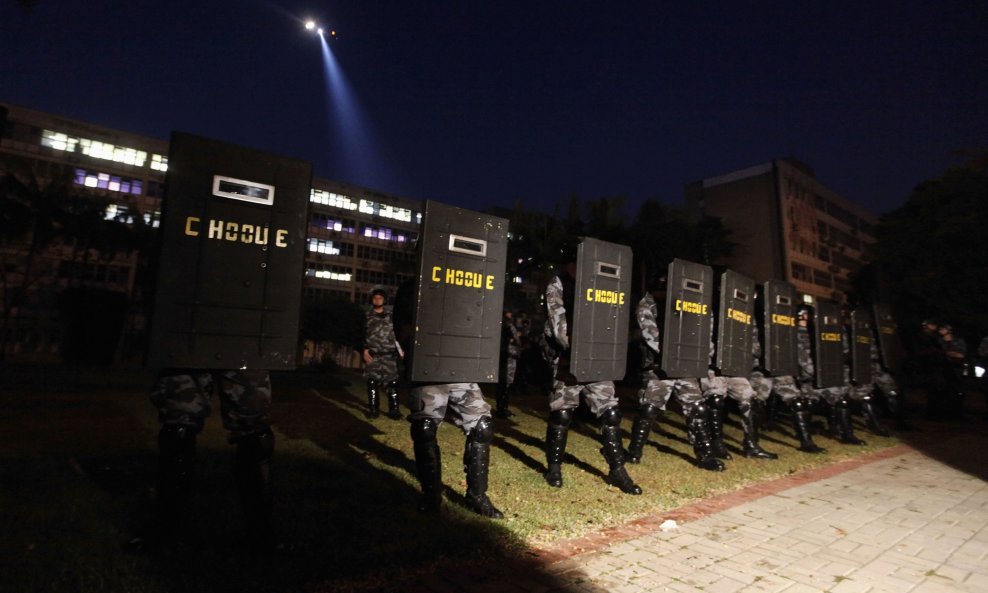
[
  {"x": 557, "y": 312},
  {"x": 650, "y": 329}
]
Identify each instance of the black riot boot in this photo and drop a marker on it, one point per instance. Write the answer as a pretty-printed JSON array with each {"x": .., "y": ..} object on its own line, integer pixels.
[
  {"x": 696, "y": 429},
  {"x": 772, "y": 411},
  {"x": 715, "y": 413},
  {"x": 897, "y": 410},
  {"x": 392, "y": 390},
  {"x": 610, "y": 436},
  {"x": 801, "y": 426},
  {"x": 501, "y": 400},
  {"x": 373, "y": 402},
  {"x": 176, "y": 458},
  {"x": 476, "y": 461},
  {"x": 845, "y": 430},
  {"x": 871, "y": 417},
  {"x": 640, "y": 430},
  {"x": 555, "y": 445},
  {"x": 750, "y": 424},
  {"x": 427, "y": 464},
  {"x": 252, "y": 471}
]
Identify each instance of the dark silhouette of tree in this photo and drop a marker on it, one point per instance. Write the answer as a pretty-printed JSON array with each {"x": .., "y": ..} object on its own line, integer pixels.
[{"x": 932, "y": 253}]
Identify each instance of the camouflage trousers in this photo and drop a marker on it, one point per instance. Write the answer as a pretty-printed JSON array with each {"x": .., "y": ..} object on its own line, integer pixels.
[
  {"x": 784, "y": 386},
  {"x": 184, "y": 397},
  {"x": 737, "y": 388},
  {"x": 383, "y": 368},
  {"x": 509, "y": 367},
  {"x": 658, "y": 392},
  {"x": 599, "y": 395},
  {"x": 885, "y": 382},
  {"x": 831, "y": 395},
  {"x": 464, "y": 401}
]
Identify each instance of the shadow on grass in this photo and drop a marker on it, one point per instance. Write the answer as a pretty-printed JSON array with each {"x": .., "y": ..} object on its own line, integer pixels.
[{"x": 344, "y": 502}]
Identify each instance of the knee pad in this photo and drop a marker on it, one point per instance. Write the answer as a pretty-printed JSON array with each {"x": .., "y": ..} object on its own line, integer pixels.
[
  {"x": 611, "y": 417},
  {"x": 424, "y": 430},
  {"x": 258, "y": 445},
  {"x": 649, "y": 411},
  {"x": 483, "y": 432},
  {"x": 561, "y": 418},
  {"x": 176, "y": 437}
]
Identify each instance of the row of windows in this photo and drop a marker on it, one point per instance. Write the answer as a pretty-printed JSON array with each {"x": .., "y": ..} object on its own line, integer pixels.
[
  {"x": 102, "y": 150},
  {"x": 378, "y": 254},
  {"x": 344, "y": 202},
  {"x": 332, "y": 223},
  {"x": 828, "y": 231},
  {"x": 330, "y": 247},
  {"x": 94, "y": 272},
  {"x": 97, "y": 180},
  {"x": 122, "y": 213},
  {"x": 328, "y": 272},
  {"x": 385, "y": 234}
]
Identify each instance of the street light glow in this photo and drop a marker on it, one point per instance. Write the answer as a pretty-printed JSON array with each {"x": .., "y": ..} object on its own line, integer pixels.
[{"x": 310, "y": 25}]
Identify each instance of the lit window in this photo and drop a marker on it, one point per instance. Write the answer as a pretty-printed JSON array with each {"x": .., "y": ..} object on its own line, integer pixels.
[{"x": 159, "y": 162}]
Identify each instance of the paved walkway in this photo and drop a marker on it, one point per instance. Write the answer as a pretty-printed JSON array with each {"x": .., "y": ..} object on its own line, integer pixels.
[{"x": 899, "y": 521}]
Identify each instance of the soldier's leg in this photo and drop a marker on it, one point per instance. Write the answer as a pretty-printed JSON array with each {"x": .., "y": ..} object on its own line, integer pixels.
[
  {"x": 603, "y": 402},
  {"x": 428, "y": 408},
  {"x": 469, "y": 411},
  {"x": 764, "y": 399},
  {"x": 373, "y": 398},
  {"x": 246, "y": 406},
  {"x": 864, "y": 394},
  {"x": 182, "y": 398},
  {"x": 739, "y": 389},
  {"x": 652, "y": 399},
  {"x": 507, "y": 378},
  {"x": 715, "y": 391},
  {"x": 697, "y": 425},
  {"x": 562, "y": 402},
  {"x": 894, "y": 397},
  {"x": 840, "y": 415},
  {"x": 800, "y": 406},
  {"x": 394, "y": 412}
]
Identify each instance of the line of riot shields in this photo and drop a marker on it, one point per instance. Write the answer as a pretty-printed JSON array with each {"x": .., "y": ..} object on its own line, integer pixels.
[{"x": 228, "y": 296}]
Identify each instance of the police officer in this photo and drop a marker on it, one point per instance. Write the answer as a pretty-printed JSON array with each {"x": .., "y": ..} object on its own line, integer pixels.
[
  {"x": 864, "y": 393},
  {"x": 429, "y": 404},
  {"x": 183, "y": 398},
  {"x": 510, "y": 352},
  {"x": 836, "y": 398},
  {"x": 801, "y": 403},
  {"x": 381, "y": 353},
  {"x": 566, "y": 391},
  {"x": 655, "y": 392}
]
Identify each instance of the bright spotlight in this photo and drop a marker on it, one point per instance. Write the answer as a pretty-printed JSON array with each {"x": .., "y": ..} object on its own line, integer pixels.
[
  {"x": 310, "y": 25},
  {"x": 320, "y": 31}
]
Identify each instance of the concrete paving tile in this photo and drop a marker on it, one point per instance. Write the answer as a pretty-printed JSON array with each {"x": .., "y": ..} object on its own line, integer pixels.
[{"x": 851, "y": 586}]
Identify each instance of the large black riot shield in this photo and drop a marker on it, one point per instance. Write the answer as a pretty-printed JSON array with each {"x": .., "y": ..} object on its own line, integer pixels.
[
  {"x": 735, "y": 319},
  {"x": 889, "y": 347},
  {"x": 232, "y": 255},
  {"x": 459, "y": 296},
  {"x": 599, "y": 336},
  {"x": 828, "y": 345},
  {"x": 862, "y": 334},
  {"x": 688, "y": 326},
  {"x": 780, "y": 348}
]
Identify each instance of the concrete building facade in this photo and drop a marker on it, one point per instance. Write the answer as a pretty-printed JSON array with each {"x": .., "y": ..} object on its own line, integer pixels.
[
  {"x": 358, "y": 238},
  {"x": 787, "y": 225}
]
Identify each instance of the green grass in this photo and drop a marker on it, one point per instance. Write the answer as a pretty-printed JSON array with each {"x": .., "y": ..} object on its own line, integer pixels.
[{"x": 77, "y": 475}]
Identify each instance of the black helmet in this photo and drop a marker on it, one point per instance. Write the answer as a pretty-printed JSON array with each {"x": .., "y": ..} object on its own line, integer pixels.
[{"x": 378, "y": 290}]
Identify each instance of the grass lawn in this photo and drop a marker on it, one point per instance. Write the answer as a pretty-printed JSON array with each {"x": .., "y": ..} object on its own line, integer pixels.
[{"x": 77, "y": 472}]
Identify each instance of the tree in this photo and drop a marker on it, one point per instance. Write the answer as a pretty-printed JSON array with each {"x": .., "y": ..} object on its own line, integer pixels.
[{"x": 932, "y": 253}]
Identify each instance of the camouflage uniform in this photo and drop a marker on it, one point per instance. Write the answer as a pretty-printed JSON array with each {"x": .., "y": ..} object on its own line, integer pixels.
[
  {"x": 510, "y": 352},
  {"x": 837, "y": 398},
  {"x": 655, "y": 393},
  {"x": 565, "y": 397},
  {"x": 429, "y": 404},
  {"x": 183, "y": 398},
  {"x": 382, "y": 371}
]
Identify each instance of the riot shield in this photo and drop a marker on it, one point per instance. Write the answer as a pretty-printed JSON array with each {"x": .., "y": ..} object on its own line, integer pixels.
[
  {"x": 459, "y": 296},
  {"x": 780, "y": 349},
  {"x": 735, "y": 319},
  {"x": 688, "y": 326},
  {"x": 861, "y": 337},
  {"x": 889, "y": 347},
  {"x": 232, "y": 257},
  {"x": 828, "y": 344},
  {"x": 601, "y": 310}
]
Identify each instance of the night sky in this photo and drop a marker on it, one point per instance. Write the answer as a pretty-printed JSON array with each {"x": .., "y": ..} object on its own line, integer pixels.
[{"x": 486, "y": 103}]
